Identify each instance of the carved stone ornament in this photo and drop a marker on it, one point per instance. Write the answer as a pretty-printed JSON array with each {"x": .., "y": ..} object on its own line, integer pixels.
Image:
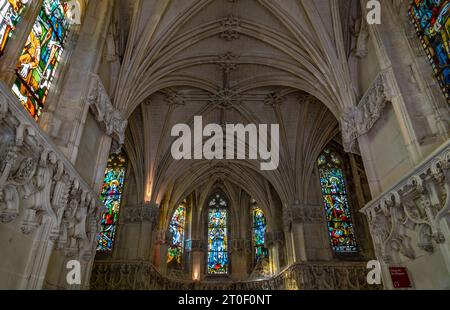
[
  {"x": 359, "y": 120},
  {"x": 112, "y": 120},
  {"x": 406, "y": 222},
  {"x": 38, "y": 183}
]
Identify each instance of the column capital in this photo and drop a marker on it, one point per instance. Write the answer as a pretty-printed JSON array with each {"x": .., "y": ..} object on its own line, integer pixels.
[
  {"x": 302, "y": 213},
  {"x": 147, "y": 212}
]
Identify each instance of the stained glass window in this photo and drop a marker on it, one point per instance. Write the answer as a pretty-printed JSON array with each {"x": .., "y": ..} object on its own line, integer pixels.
[
  {"x": 176, "y": 227},
  {"x": 339, "y": 218},
  {"x": 41, "y": 55},
  {"x": 217, "y": 235},
  {"x": 259, "y": 232},
  {"x": 111, "y": 197},
  {"x": 10, "y": 14},
  {"x": 432, "y": 23}
]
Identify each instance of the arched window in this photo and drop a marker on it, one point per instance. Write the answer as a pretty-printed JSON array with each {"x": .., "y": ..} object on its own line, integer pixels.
[
  {"x": 336, "y": 202},
  {"x": 41, "y": 55},
  {"x": 259, "y": 231},
  {"x": 217, "y": 235},
  {"x": 111, "y": 198},
  {"x": 10, "y": 15},
  {"x": 176, "y": 227},
  {"x": 432, "y": 23}
]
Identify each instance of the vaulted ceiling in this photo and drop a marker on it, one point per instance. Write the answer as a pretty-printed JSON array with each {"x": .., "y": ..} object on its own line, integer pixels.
[{"x": 232, "y": 61}]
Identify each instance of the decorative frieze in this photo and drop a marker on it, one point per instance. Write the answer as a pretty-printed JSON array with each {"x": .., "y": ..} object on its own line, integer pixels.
[
  {"x": 112, "y": 119},
  {"x": 412, "y": 218},
  {"x": 359, "y": 120}
]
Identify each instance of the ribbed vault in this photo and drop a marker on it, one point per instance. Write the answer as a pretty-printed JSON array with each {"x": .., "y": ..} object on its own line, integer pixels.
[{"x": 240, "y": 61}]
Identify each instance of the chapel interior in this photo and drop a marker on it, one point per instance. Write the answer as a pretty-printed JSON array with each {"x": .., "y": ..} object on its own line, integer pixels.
[{"x": 91, "y": 89}]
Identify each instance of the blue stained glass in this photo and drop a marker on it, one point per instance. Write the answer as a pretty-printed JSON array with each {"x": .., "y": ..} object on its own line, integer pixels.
[
  {"x": 217, "y": 236},
  {"x": 176, "y": 227},
  {"x": 432, "y": 23},
  {"x": 111, "y": 197},
  {"x": 259, "y": 232},
  {"x": 335, "y": 197}
]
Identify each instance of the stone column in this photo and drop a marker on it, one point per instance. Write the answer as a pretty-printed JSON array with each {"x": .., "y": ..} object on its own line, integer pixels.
[
  {"x": 16, "y": 44},
  {"x": 274, "y": 242},
  {"x": 296, "y": 238},
  {"x": 162, "y": 243},
  {"x": 196, "y": 250},
  {"x": 240, "y": 250},
  {"x": 308, "y": 227},
  {"x": 149, "y": 221}
]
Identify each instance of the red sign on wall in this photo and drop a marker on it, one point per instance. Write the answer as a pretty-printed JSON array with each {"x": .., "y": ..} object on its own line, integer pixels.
[{"x": 400, "y": 277}]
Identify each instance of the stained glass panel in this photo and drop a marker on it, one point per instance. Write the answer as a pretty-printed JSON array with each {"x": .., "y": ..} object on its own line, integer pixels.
[
  {"x": 111, "y": 197},
  {"x": 217, "y": 236},
  {"x": 432, "y": 23},
  {"x": 339, "y": 219},
  {"x": 10, "y": 14},
  {"x": 176, "y": 227},
  {"x": 259, "y": 232},
  {"x": 41, "y": 55}
]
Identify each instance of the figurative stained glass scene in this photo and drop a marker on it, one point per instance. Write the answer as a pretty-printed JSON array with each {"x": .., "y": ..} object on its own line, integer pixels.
[
  {"x": 41, "y": 55},
  {"x": 177, "y": 224},
  {"x": 339, "y": 219},
  {"x": 217, "y": 236},
  {"x": 432, "y": 23},
  {"x": 10, "y": 14},
  {"x": 111, "y": 197},
  {"x": 259, "y": 231}
]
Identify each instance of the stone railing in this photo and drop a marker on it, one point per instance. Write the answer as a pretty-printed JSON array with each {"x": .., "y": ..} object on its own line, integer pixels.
[
  {"x": 412, "y": 218},
  {"x": 139, "y": 275},
  {"x": 40, "y": 188}
]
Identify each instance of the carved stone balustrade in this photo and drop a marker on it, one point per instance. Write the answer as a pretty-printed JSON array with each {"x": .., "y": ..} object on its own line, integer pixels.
[
  {"x": 140, "y": 275},
  {"x": 39, "y": 186},
  {"x": 412, "y": 219}
]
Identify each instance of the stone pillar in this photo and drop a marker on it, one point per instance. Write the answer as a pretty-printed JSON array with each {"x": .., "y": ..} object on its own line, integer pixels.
[
  {"x": 149, "y": 221},
  {"x": 308, "y": 228},
  {"x": 196, "y": 250},
  {"x": 240, "y": 250},
  {"x": 162, "y": 243},
  {"x": 296, "y": 239},
  {"x": 15, "y": 45},
  {"x": 274, "y": 242}
]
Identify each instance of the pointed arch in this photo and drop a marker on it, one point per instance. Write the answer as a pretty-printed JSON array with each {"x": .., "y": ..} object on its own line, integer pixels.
[
  {"x": 336, "y": 202},
  {"x": 218, "y": 256}
]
